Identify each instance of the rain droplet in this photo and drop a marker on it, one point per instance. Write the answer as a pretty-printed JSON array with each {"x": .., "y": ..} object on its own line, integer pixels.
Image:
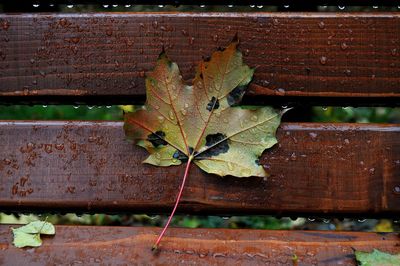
[
  {"x": 230, "y": 166},
  {"x": 372, "y": 171},
  {"x": 254, "y": 118},
  {"x": 171, "y": 115},
  {"x": 76, "y": 106},
  {"x": 215, "y": 38},
  {"x": 323, "y": 60},
  {"x": 70, "y": 6},
  {"x": 280, "y": 91},
  {"x": 161, "y": 119},
  {"x": 327, "y": 221},
  {"x": 35, "y": 5},
  {"x": 105, "y": 6},
  {"x": 341, "y": 7},
  {"x": 183, "y": 111},
  {"x": 361, "y": 220},
  {"x": 311, "y": 219},
  {"x": 313, "y": 135},
  {"x": 343, "y": 46},
  {"x": 186, "y": 105},
  {"x": 396, "y": 189},
  {"x": 321, "y": 25}
]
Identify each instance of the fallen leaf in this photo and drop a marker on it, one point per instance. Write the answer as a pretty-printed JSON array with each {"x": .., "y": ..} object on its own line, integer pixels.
[
  {"x": 203, "y": 122},
  {"x": 179, "y": 121},
  {"x": 29, "y": 235},
  {"x": 377, "y": 258}
]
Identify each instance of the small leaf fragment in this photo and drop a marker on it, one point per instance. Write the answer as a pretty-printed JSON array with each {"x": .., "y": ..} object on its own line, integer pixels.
[
  {"x": 29, "y": 235},
  {"x": 22, "y": 239},
  {"x": 36, "y": 227},
  {"x": 377, "y": 258}
]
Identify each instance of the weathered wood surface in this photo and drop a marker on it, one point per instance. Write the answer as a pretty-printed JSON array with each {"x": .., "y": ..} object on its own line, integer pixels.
[
  {"x": 215, "y": 2},
  {"x": 317, "y": 169},
  {"x": 348, "y": 55},
  {"x": 89, "y": 245}
]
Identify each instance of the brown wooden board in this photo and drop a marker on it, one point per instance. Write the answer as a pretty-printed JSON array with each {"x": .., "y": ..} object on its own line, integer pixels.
[
  {"x": 316, "y": 169},
  {"x": 90, "y": 245},
  {"x": 212, "y": 2},
  {"x": 73, "y": 57}
]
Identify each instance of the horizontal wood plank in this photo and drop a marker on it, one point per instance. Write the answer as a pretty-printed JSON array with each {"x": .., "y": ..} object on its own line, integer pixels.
[
  {"x": 88, "y": 245},
  {"x": 316, "y": 169},
  {"x": 321, "y": 55},
  {"x": 212, "y": 2}
]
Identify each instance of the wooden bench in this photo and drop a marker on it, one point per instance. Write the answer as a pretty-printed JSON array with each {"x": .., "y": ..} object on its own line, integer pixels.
[{"x": 317, "y": 169}]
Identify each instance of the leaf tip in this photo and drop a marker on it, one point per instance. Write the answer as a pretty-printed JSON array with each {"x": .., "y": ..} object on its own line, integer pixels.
[
  {"x": 235, "y": 39},
  {"x": 284, "y": 110}
]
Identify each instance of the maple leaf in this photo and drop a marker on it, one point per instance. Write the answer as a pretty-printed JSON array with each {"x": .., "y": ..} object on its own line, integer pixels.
[{"x": 201, "y": 123}]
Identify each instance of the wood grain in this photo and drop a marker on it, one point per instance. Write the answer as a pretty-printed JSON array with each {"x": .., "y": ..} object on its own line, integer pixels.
[
  {"x": 316, "y": 169},
  {"x": 74, "y": 57},
  {"x": 211, "y": 2},
  {"x": 88, "y": 245}
]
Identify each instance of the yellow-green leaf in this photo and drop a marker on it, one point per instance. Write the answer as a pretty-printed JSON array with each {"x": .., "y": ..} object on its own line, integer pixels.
[
  {"x": 202, "y": 121},
  {"x": 29, "y": 235},
  {"x": 36, "y": 227},
  {"x": 377, "y": 258},
  {"x": 22, "y": 239}
]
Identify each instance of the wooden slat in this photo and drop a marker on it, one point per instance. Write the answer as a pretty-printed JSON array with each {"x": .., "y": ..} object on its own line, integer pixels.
[
  {"x": 215, "y": 2},
  {"x": 317, "y": 169},
  {"x": 347, "y": 55},
  {"x": 94, "y": 245}
]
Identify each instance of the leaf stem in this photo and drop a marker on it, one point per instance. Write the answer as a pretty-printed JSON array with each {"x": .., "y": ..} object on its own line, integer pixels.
[{"x": 155, "y": 246}]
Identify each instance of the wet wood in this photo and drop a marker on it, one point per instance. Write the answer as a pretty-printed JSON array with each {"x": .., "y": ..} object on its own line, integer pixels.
[
  {"x": 212, "y": 2},
  {"x": 352, "y": 56},
  {"x": 104, "y": 245},
  {"x": 317, "y": 170}
]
